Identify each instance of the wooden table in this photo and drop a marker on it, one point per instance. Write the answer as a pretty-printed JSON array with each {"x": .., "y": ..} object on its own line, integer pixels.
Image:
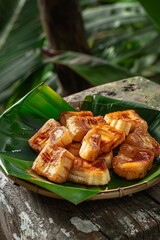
[{"x": 25, "y": 215}]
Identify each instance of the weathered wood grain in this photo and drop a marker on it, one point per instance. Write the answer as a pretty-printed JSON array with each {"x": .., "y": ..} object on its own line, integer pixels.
[
  {"x": 154, "y": 193},
  {"x": 132, "y": 217},
  {"x": 26, "y": 215}
]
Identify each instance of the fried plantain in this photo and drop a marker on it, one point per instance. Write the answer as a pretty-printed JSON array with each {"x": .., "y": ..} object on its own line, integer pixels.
[
  {"x": 54, "y": 163},
  {"x": 142, "y": 139},
  {"x": 61, "y": 136},
  {"x": 132, "y": 162},
  {"x": 110, "y": 137},
  {"x": 128, "y": 116},
  {"x": 107, "y": 157},
  {"x": 91, "y": 145},
  {"x": 40, "y": 138},
  {"x": 89, "y": 173},
  {"x": 65, "y": 115},
  {"x": 74, "y": 148},
  {"x": 79, "y": 126}
]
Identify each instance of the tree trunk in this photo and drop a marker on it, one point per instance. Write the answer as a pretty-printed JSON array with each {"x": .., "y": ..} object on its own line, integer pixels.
[{"x": 63, "y": 25}]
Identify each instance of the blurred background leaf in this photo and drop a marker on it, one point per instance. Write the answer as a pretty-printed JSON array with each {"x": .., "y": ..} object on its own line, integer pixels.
[
  {"x": 21, "y": 65},
  {"x": 121, "y": 36},
  {"x": 95, "y": 70},
  {"x": 152, "y": 8}
]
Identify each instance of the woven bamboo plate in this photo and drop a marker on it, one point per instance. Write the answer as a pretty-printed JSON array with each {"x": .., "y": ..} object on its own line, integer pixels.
[{"x": 106, "y": 194}]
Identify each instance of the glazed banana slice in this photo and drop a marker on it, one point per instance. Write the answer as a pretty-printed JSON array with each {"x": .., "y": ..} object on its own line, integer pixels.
[
  {"x": 54, "y": 163},
  {"x": 91, "y": 144},
  {"x": 79, "y": 126},
  {"x": 74, "y": 148},
  {"x": 89, "y": 173},
  {"x": 129, "y": 116},
  {"x": 142, "y": 139},
  {"x": 61, "y": 136},
  {"x": 40, "y": 138},
  {"x": 65, "y": 115},
  {"x": 121, "y": 125},
  {"x": 107, "y": 157},
  {"x": 132, "y": 162},
  {"x": 110, "y": 137}
]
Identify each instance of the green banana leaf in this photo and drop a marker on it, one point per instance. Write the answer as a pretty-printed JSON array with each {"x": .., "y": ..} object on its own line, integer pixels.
[
  {"x": 152, "y": 8},
  {"x": 18, "y": 124},
  {"x": 95, "y": 70},
  {"x": 111, "y": 16},
  {"x": 23, "y": 119},
  {"x": 20, "y": 43}
]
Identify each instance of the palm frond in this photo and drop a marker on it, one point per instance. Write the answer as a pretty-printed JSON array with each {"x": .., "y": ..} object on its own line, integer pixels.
[{"x": 20, "y": 41}]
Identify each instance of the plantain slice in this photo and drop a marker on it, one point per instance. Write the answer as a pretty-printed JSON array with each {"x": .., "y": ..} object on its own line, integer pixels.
[
  {"x": 74, "y": 148},
  {"x": 121, "y": 125},
  {"x": 79, "y": 126},
  {"x": 54, "y": 163},
  {"x": 61, "y": 136},
  {"x": 128, "y": 116},
  {"x": 132, "y": 162},
  {"x": 110, "y": 137},
  {"x": 91, "y": 144},
  {"x": 142, "y": 139},
  {"x": 89, "y": 173},
  {"x": 65, "y": 115},
  {"x": 40, "y": 138},
  {"x": 107, "y": 157}
]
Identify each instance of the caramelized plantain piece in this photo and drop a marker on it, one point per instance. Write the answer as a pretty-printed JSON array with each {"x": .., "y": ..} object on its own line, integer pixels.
[
  {"x": 74, "y": 148},
  {"x": 129, "y": 116},
  {"x": 40, "y": 138},
  {"x": 110, "y": 137},
  {"x": 89, "y": 173},
  {"x": 132, "y": 162},
  {"x": 142, "y": 139},
  {"x": 65, "y": 115},
  {"x": 121, "y": 125},
  {"x": 107, "y": 157},
  {"x": 91, "y": 144},
  {"x": 54, "y": 163},
  {"x": 61, "y": 136},
  {"x": 79, "y": 126}
]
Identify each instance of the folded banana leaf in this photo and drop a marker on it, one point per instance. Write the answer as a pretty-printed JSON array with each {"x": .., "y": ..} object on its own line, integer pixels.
[{"x": 23, "y": 119}]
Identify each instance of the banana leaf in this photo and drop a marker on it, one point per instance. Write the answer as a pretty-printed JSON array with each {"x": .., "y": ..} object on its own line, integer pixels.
[
  {"x": 111, "y": 16},
  {"x": 23, "y": 119},
  {"x": 18, "y": 124},
  {"x": 95, "y": 70},
  {"x": 152, "y": 8}
]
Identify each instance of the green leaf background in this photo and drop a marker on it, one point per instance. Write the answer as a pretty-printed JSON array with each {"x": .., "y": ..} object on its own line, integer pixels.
[
  {"x": 94, "y": 70},
  {"x": 24, "y": 118},
  {"x": 122, "y": 39}
]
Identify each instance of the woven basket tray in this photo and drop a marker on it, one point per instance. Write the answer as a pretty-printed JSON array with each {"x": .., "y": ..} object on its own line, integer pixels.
[{"x": 106, "y": 194}]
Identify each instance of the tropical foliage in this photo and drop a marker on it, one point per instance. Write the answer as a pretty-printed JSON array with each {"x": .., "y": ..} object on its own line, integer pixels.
[{"x": 123, "y": 41}]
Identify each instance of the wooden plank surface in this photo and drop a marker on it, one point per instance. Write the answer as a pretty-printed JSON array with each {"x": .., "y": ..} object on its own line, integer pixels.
[
  {"x": 125, "y": 217},
  {"x": 25, "y": 215}
]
